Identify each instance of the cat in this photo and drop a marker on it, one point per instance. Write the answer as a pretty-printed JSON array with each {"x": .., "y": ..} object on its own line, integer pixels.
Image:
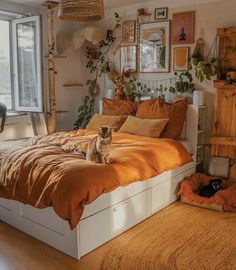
[
  {"x": 99, "y": 148},
  {"x": 210, "y": 189},
  {"x": 3, "y": 114}
]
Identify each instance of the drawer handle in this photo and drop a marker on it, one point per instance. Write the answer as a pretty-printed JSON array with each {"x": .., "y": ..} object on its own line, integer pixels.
[{"x": 119, "y": 206}]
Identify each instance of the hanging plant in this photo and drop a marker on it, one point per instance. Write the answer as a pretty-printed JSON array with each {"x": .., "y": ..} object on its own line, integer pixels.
[
  {"x": 205, "y": 68},
  {"x": 97, "y": 64}
]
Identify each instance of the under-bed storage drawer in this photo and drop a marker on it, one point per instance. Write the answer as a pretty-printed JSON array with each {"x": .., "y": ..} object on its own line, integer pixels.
[
  {"x": 166, "y": 192},
  {"x": 103, "y": 226}
]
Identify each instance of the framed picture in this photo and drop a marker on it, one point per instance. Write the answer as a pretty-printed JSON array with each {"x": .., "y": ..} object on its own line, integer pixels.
[
  {"x": 181, "y": 57},
  {"x": 154, "y": 46},
  {"x": 183, "y": 27},
  {"x": 128, "y": 32},
  {"x": 161, "y": 13},
  {"x": 128, "y": 58}
]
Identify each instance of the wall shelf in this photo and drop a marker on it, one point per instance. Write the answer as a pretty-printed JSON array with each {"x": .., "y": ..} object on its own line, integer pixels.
[
  {"x": 73, "y": 85},
  {"x": 231, "y": 141},
  {"x": 59, "y": 111},
  {"x": 58, "y": 56}
]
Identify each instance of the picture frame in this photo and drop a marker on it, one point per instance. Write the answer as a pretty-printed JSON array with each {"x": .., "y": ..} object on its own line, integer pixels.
[
  {"x": 161, "y": 13},
  {"x": 181, "y": 58},
  {"x": 128, "y": 58},
  {"x": 128, "y": 32},
  {"x": 183, "y": 28},
  {"x": 154, "y": 47}
]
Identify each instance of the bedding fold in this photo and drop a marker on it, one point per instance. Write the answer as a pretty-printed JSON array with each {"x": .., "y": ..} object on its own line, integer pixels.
[{"x": 45, "y": 171}]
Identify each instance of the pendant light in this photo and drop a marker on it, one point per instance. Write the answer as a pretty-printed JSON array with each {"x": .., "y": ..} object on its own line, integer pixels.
[{"x": 81, "y": 10}]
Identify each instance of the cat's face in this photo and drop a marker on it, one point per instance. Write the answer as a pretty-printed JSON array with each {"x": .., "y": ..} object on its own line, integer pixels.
[
  {"x": 105, "y": 132},
  {"x": 216, "y": 183}
]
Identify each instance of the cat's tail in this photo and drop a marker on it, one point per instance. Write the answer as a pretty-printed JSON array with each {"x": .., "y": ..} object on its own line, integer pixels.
[{"x": 81, "y": 151}]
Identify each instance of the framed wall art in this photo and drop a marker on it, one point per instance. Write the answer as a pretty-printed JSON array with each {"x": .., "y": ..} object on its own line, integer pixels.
[
  {"x": 161, "y": 14},
  {"x": 129, "y": 32},
  {"x": 183, "y": 27},
  {"x": 181, "y": 59},
  {"x": 128, "y": 57},
  {"x": 154, "y": 47}
]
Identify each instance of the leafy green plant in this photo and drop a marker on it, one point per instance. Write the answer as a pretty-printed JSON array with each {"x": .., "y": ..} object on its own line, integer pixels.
[
  {"x": 183, "y": 84},
  {"x": 97, "y": 64},
  {"x": 133, "y": 89},
  {"x": 85, "y": 113},
  {"x": 205, "y": 69}
]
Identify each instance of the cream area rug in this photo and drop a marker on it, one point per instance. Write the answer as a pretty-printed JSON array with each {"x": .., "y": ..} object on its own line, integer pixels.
[{"x": 179, "y": 237}]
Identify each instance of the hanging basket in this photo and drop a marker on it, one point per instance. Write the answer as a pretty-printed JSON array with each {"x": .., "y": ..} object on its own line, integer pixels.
[{"x": 81, "y": 10}]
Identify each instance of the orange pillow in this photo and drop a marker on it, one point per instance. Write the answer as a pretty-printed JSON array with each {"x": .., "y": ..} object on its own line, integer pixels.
[
  {"x": 99, "y": 120},
  {"x": 119, "y": 107},
  {"x": 159, "y": 109},
  {"x": 144, "y": 127}
]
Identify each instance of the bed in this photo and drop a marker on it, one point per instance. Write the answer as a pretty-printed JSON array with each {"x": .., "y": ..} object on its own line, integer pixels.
[{"x": 111, "y": 213}]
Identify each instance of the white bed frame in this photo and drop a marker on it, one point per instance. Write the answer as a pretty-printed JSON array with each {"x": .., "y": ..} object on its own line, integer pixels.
[{"x": 110, "y": 214}]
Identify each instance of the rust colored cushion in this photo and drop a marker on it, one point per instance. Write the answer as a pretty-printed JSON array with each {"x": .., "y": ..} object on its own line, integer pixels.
[
  {"x": 159, "y": 109},
  {"x": 119, "y": 107},
  {"x": 99, "y": 120},
  {"x": 144, "y": 127}
]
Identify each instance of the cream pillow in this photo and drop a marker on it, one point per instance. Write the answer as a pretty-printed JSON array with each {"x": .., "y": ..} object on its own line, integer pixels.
[
  {"x": 144, "y": 127},
  {"x": 98, "y": 120}
]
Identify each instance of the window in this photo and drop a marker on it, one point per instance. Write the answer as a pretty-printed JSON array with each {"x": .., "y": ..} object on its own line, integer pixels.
[
  {"x": 20, "y": 64},
  {"x": 5, "y": 65}
]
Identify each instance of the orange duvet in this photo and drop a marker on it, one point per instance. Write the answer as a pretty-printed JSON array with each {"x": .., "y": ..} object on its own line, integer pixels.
[{"x": 41, "y": 171}]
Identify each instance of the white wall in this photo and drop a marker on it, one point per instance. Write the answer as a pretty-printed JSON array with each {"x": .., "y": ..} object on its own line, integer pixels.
[{"x": 209, "y": 16}]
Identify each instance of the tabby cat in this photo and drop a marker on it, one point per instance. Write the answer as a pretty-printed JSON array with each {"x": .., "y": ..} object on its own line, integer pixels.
[
  {"x": 3, "y": 114},
  {"x": 100, "y": 146}
]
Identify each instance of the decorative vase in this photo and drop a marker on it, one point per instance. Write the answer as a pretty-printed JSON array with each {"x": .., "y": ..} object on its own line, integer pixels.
[{"x": 119, "y": 93}]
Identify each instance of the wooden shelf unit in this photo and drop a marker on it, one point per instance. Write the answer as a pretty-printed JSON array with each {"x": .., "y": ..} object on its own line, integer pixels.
[{"x": 224, "y": 131}]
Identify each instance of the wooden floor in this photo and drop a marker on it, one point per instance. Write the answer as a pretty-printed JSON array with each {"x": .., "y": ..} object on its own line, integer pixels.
[{"x": 19, "y": 251}]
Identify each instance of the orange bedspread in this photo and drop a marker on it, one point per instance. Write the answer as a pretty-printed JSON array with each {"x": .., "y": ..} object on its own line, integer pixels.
[{"x": 40, "y": 172}]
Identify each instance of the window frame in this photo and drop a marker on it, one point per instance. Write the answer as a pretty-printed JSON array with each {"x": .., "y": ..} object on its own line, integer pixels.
[{"x": 15, "y": 94}]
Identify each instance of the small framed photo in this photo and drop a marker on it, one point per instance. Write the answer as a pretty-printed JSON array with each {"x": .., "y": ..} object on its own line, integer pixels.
[
  {"x": 128, "y": 58},
  {"x": 181, "y": 59},
  {"x": 129, "y": 32},
  {"x": 183, "y": 28},
  {"x": 161, "y": 13}
]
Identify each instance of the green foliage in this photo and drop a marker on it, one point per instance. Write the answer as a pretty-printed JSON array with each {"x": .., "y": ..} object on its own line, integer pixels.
[
  {"x": 97, "y": 55},
  {"x": 184, "y": 83},
  {"x": 97, "y": 64},
  {"x": 134, "y": 89},
  {"x": 86, "y": 112},
  {"x": 205, "y": 69}
]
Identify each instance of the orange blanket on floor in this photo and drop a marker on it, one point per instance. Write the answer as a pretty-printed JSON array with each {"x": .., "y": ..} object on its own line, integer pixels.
[{"x": 40, "y": 172}]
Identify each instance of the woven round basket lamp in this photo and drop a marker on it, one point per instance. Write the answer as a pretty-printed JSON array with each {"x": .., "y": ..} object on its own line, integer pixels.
[{"x": 81, "y": 10}]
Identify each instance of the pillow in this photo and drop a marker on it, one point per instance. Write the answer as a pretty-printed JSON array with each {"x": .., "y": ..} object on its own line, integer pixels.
[
  {"x": 159, "y": 109},
  {"x": 144, "y": 127},
  {"x": 119, "y": 107},
  {"x": 99, "y": 120}
]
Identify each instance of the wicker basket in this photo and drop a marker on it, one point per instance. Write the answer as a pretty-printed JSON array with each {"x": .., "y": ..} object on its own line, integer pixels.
[{"x": 81, "y": 10}]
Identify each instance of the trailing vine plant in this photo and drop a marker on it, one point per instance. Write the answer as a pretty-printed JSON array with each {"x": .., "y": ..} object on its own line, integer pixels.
[{"x": 97, "y": 64}]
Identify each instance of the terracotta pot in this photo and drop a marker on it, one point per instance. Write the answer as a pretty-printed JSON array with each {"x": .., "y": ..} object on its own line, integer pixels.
[{"x": 119, "y": 93}]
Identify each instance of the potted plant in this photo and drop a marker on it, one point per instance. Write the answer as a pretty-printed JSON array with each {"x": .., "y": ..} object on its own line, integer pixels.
[
  {"x": 207, "y": 67},
  {"x": 133, "y": 89},
  {"x": 183, "y": 84}
]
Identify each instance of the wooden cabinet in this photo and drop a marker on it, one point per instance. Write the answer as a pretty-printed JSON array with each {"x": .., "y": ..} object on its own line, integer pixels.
[{"x": 224, "y": 130}]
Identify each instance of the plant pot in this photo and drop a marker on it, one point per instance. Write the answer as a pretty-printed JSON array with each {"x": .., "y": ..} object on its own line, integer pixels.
[{"x": 119, "y": 93}]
